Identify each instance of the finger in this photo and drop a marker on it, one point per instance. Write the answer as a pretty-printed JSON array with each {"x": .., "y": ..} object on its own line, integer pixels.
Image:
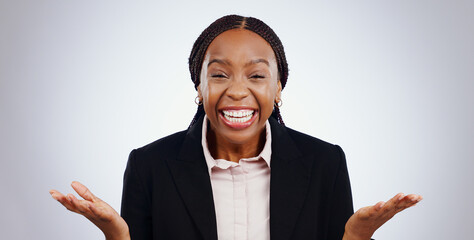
[
  {"x": 59, "y": 197},
  {"x": 379, "y": 205},
  {"x": 83, "y": 191},
  {"x": 408, "y": 201},
  {"x": 373, "y": 210},
  {"x": 392, "y": 204},
  {"x": 397, "y": 198},
  {"x": 414, "y": 197},
  {"x": 411, "y": 198},
  {"x": 55, "y": 194},
  {"x": 82, "y": 206},
  {"x": 63, "y": 200},
  {"x": 369, "y": 211}
]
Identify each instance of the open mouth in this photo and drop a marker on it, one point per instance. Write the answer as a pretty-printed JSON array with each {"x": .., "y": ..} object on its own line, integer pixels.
[{"x": 239, "y": 118}]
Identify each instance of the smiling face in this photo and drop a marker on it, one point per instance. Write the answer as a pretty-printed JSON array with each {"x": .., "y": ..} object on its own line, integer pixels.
[{"x": 239, "y": 85}]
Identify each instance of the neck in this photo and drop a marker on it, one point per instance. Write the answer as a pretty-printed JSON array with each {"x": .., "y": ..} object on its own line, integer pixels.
[{"x": 221, "y": 148}]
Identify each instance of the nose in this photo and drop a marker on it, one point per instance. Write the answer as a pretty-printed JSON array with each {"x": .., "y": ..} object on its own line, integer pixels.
[{"x": 238, "y": 89}]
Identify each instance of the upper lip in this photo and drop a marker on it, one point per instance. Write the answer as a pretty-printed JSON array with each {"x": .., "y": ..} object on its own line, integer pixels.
[{"x": 237, "y": 108}]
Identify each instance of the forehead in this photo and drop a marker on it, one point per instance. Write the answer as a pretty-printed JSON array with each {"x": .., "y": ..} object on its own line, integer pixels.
[{"x": 239, "y": 43}]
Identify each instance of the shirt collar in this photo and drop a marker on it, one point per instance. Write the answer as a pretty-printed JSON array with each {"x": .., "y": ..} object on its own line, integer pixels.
[{"x": 211, "y": 162}]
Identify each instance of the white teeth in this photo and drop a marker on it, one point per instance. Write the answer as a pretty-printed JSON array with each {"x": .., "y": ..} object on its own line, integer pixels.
[
  {"x": 238, "y": 116},
  {"x": 238, "y": 113}
]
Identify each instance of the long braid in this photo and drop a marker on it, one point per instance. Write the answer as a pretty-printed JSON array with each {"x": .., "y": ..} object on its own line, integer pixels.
[
  {"x": 229, "y": 22},
  {"x": 276, "y": 114},
  {"x": 199, "y": 113}
]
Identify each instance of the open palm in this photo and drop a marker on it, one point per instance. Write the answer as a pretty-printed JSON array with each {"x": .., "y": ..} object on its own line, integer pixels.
[
  {"x": 363, "y": 223},
  {"x": 97, "y": 211}
]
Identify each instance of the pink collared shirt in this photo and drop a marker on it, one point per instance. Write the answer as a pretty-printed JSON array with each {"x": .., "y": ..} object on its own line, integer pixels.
[{"x": 241, "y": 192}]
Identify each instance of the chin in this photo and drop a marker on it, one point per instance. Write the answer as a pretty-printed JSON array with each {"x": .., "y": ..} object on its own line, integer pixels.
[{"x": 249, "y": 135}]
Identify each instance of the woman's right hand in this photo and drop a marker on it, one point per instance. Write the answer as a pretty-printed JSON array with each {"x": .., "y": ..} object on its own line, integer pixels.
[{"x": 97, "y": 211}]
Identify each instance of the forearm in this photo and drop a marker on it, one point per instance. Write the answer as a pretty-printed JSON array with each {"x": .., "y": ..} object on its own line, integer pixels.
[
  {"x": 349, "y": 236},
  {"x": 127, "y": 237}
]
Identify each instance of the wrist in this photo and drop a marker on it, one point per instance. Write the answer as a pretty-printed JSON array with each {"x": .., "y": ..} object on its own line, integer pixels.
[
  {"x": 357, "y": 232},
  {"x": 116, "y": 231},
  {"x": 125, "y": 235}
]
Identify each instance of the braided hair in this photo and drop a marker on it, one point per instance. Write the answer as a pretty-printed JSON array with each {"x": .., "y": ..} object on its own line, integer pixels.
[{"x": 229, "y": 22}]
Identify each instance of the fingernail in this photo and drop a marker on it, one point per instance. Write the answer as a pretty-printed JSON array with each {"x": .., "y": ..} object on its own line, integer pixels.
[{"x": 401, "y": 197}]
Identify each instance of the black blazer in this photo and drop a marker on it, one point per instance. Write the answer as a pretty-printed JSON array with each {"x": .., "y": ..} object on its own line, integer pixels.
[{"x": 167, "y": 192}]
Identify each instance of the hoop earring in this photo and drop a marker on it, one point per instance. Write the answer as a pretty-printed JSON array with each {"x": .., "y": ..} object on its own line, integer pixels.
[
  {"x": 198, "y": 101},
  {"x": 279, "y": 103}
]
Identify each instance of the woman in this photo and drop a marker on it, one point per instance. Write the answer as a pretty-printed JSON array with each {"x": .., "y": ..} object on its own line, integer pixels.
[{"x": 237, "y": 172}]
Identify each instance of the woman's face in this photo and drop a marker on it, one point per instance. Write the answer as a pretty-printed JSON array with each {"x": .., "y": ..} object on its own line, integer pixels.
[{"x": 239, "y": 85}]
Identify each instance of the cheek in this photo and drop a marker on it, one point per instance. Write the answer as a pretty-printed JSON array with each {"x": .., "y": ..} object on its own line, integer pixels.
[
  {"x": 211, "y": 96},
  {"x": 266, "y": 97}
]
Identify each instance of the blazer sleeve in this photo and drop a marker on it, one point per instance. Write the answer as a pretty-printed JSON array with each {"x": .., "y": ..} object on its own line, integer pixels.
[
  {"x": 341, "y": 208},
  {"x": 136, "y": 201}
]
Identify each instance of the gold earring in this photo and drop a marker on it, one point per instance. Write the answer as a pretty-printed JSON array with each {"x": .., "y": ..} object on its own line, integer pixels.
[
  {"x": 198, "y": 101},
  {"x": 279, "y": 103}
]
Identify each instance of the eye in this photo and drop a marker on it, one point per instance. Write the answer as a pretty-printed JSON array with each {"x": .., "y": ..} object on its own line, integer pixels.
[
  {"x": 218, "y": 75},
  {"x": 257, "y": 76}
]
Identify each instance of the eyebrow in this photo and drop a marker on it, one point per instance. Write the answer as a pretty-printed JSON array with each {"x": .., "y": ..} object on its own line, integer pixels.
[
  {"x": 255, "y": 61},
  {"x": 216, "y": 60},
  {"x": 251, "y": 62}
]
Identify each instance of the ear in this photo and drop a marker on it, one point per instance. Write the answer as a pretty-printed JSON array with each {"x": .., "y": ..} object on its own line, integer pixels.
[
  {"x": 198, "y": 89},
  {"x": 199, "y": 92},
  {"x": 278, "y": 93}
]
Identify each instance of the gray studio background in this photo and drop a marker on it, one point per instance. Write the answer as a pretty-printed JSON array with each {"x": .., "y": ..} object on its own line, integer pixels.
[{"x": 82, "y": 83}]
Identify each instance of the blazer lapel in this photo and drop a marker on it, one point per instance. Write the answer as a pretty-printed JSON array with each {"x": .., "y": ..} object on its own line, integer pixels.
[
  {"x": 192, "y": 180},
  {"x": 289, "y": 183}
]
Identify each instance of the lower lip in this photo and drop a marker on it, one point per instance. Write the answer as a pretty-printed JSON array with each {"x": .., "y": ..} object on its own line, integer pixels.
[{"x": 238, "y": 125}]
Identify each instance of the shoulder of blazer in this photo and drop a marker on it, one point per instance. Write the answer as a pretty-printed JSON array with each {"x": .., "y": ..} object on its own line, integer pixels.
[
  {"x": 168, "y": 145},
  {"x": 171, "y": 147},
  {"x": 145, "y": 161},
  {"x": 303, "y": 143},
  {"x": 307, "y": 143}
]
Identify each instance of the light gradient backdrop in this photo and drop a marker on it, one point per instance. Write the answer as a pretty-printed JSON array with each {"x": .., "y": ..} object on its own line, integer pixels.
[{"x": 82, "y": 83}]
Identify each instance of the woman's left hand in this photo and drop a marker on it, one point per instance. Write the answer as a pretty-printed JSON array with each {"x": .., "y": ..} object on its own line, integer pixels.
[{"x": 362, "y": 224}]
